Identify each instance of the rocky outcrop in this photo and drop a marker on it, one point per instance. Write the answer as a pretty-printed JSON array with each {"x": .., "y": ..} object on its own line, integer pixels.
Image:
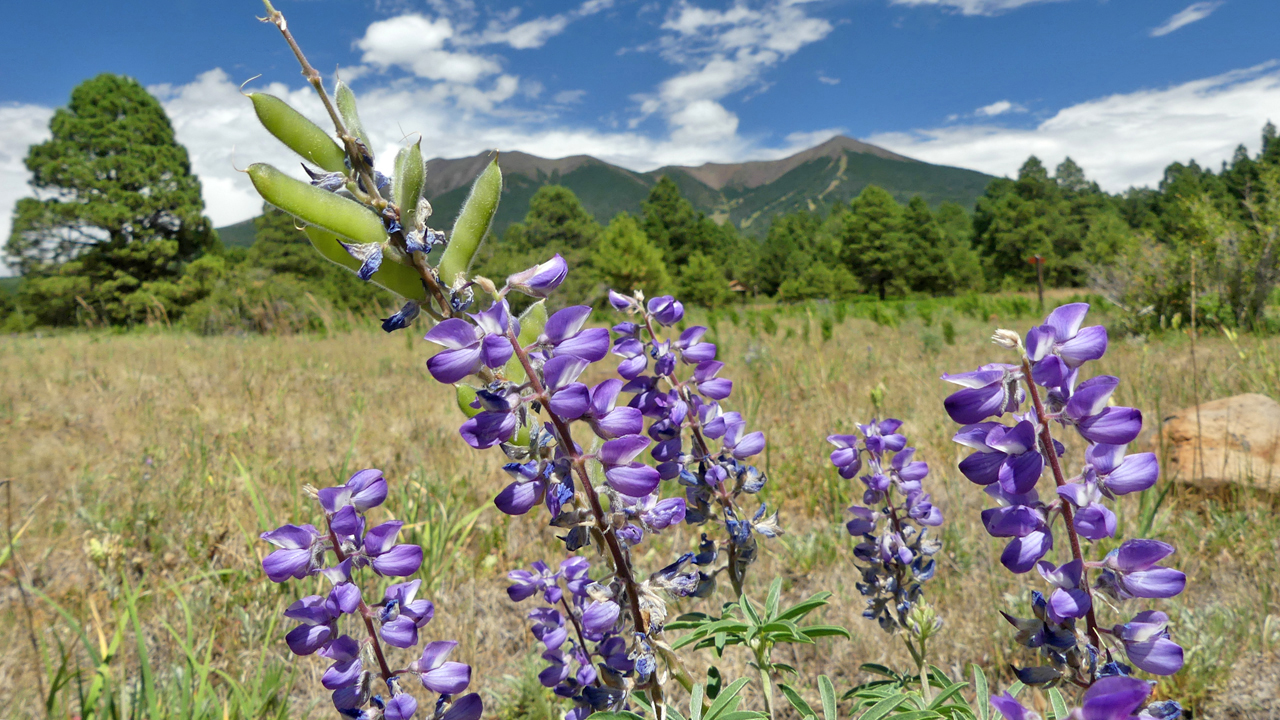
[{"x": 1239, "y": 442}]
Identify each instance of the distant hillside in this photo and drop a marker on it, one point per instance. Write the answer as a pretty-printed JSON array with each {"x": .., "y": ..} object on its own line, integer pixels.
[
  {"x": 746, "y": 194},
  {"x": 241, "y": 234}
]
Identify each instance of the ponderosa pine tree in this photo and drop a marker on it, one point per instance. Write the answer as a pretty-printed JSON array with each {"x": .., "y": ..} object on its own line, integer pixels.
[
  {"x": 875, "y": 247},
  {"x": 674, "y": 226},
  {"x": 626, "y": 260},
  {"x": 116, "y": 207}
]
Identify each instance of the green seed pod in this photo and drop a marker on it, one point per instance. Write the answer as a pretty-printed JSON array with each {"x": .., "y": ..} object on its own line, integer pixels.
[
  {"x": 399, "y": 279},
  {"x": 467, "y": 395},
  {"x": 532, "y": 322},
  {"x": 314, "y": 206},
  {"x": 411, "y": 175},
  {"x": 472, "y": 224},
  {"x": 351, "y": 118},
  {"x": 297, "y": 132}
]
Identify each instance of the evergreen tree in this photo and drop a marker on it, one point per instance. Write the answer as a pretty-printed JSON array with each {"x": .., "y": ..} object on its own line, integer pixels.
[
  {"x": 626, "y": 260},
  {"x": 281, "y": 248},
  {"x": 875, "y": 248},
  {"x": 938, "y": 262},
  {"x": 674, "y": 226},
  {"x": 117, "y": 207},
  {"x": 702, "y": 282}
]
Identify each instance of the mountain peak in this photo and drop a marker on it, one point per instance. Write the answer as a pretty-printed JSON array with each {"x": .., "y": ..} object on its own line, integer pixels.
[{"x": 762, "y": 172}]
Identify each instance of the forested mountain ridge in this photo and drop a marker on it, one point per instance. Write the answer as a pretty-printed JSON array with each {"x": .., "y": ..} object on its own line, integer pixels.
[{"x": 747, "y": 193}]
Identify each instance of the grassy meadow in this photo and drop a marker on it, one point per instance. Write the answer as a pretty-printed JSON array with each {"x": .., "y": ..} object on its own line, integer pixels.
[{"x": 143, "y": 466}]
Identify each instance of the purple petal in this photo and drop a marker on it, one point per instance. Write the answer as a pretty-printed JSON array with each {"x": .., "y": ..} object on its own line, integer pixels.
[
  {"x": 1020, "y": 473},
  {"x": 1039, "y": 342},
  {"x": 1135, "y": 474},
  {"x": 716, "y": 388},
  {"x": 1089, "y": 344},
  {"x": 1114, "y": 698},
  {"x": 434, "y": 655},
  {"x": 341, "y": 674},
  {"x": 379, "y": 539},
  {"x": 495, "y": 351},
  {"x": 1011, "y": 709},
  {"x": 284, "y": 564},
  {"x": 604, "y": 396},
  {"x": 345, "y": 598},
  {"x": 467, "y": 707},
  {"x": 400, "y": 707},
  {"x": 1065, "y": 320},
  {"x": 400, "y": 561},
  {"x": 1160, "y": 582},
  {"x": 291, "y": 537},
  {"x": 700, "y": 353},
  {"x": 1021, "y": 554},
  {"x": 566, "y": 323},
  {"x": 1012, "y": 521},
  {"x": 369, "y": 489},
  {"x": 449, "y": 678},
  {"x": 634, "y": 480},
  {"x": 347, "y": 522},
  {"x": 750, "y": 445},
  {"x": 619, "y": 422},
  {"x": 562, "y": 370},
  {"x": 973, "y": 405},
  {"x": 599, "y": 617},
  {"x": 519, "y": 498},
  {"x": 344, "y": 649},
  {"x": 1068, "y": 603},
  {"x": 306, "y": 639},
  {"x": 1114, "y": 426},
  {"x": 982, "y": 468},
  {"x": 1159, "y": 656},
  {"x": 976, "y": 378},
  {"x": 572, "y": 401},
  {"x": 1095, "y": 522},
  {"x": 401, "y": 632},
  {"x": 488, "y": 429},
  {"x": 623, "y": 450},
  {"x": 591, "y": 345},
  {"x": 632, "y": 367},
  {"x": 1141, "y": 554},
  {"x": 1012, "y": 440},
  {"x": 1091, "y": 397},
  {"x": 451, "y": 366},
  {"x": 453, "y": 334}
]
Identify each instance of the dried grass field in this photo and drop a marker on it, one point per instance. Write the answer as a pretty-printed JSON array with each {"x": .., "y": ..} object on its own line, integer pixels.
[{"x": 144, "y": 465}]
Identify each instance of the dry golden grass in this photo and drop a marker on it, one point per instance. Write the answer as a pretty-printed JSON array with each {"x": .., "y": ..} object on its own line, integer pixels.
[{"x": 138, "y": 457}]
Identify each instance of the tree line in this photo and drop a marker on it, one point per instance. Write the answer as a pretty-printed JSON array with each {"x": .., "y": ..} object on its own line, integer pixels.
[{"x": 116, "y": 235}]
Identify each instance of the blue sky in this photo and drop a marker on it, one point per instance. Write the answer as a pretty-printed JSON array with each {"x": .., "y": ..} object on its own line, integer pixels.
[{"x": 1122, "y": 86}]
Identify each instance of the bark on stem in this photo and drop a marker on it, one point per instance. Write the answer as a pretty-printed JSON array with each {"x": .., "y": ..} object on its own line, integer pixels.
[{"x": 1068, "y": 515}]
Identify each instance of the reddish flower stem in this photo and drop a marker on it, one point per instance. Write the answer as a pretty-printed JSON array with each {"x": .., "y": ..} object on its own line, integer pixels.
[
  {"x": 365, "y": 612},
  {"x": 1068, "y": 515}
]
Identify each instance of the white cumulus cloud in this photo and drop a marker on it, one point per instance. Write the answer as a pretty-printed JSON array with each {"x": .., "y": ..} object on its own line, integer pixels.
[
  {"x": 1192, "y": 13},
  {"x": 24, "y": 126},
  {"x": 1121, "y": 140},
  {"x": 999, "y": 108},
  {"x": 973, "y": 7}
]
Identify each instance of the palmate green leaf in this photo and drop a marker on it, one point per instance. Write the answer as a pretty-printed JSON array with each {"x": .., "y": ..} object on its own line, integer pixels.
[
  {"x": 947, "y": 693},
  {"x": 727, "y": 696},
  {"x": 750, "y": 610},
  {"x": 1016, "y": 688},
  {"x": 695, "y": 702},
  {"x": 785, "y": 668},
  {"x": 801, "y": 705},
  {"x": 817, "y": 631},
  {"x": 689, "y": 620}
]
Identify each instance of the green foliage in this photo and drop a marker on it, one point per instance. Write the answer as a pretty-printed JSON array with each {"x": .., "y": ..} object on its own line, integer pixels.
[
  {"x": 122, "y": 211},
  {"x": 702, "y": 282},
  {"x": 706, "y": 702},
  {"x": 875, "y": 245},
  {"x": 626, "y": 260}
]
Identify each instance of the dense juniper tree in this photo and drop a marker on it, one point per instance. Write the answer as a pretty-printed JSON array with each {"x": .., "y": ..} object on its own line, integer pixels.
[{"x": 116, "y": 208}]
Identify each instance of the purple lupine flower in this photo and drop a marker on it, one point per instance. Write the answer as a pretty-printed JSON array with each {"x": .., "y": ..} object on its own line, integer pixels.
[
  {"x": 539, "y": 280},
  {"x": 621, "y": 472},
  {"x": 846, "y": 457},
  {"x": 346, "y": 668},
  {"x": 606, "y": 419},
  {"x": 364, "y": 490},
  {"x": 1031, "y": 537},
  {"x": 549, "y": 627},
  {"x": 574, "y": 571},
  {"x": 1130, "y": 571},
  {"x": 883, "y": 436},
  {"x": 1087, "y": 410},
  {"x": 1110, "y": 698},
  {"x": 403, "y": 615},
  {"x": 863, "y": 522},
  {"x": 318, "y": 617},
  {"x": 1007, "y": 455},
  {"x": 620, "y": 301},
  {"x": 300, "y": 552},
  {"x": 1060, "y": 346},
  {"x": 990, "y": 390},
  {"x": 599, "y": 617},
  {"x": 469, "y": 347},
  {"x": 400, "y": 707},
  {"x": 706, "y": 382},
  {"x": 907, "y": 472},
  {"x": 728, "y": 428},
  {"x": 1093, "y": 520},
  {"x": 1118, "y": 474},
  {"x": 527, "y": 491},
  {"x": 542, "y": 579},
  {"x": 658, "y": 514},
  {"x": 403, "y": 317},
  {"x": 387, "y": 558},
  {"x": 1068, "y": 599},
  {"x": 666, "y": 310},
  {"x": 692, "y": 349},
  {"x": 920, "y": 508},
  {"x": 1147, "y": 643},
  {"x": 631, "y": 350},
  {"x": 564, "y": 335},
  {"x": 439, "y": 674},
  {"x": 467, "y": 707},
  {"x": 557, "y": 671}
]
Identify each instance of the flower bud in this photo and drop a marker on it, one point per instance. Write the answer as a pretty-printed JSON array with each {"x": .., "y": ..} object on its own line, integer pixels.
[{"x": 539, "y": 280}]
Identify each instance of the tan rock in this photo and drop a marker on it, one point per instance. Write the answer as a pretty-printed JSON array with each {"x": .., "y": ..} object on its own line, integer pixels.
[{"x": 1239, "y": 439}]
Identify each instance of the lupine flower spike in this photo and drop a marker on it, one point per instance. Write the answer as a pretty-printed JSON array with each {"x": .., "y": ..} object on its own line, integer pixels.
[{"x": 1013, "y": 445}]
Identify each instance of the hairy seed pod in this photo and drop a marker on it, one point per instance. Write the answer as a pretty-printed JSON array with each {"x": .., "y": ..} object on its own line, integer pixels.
[
  {"x": 467, "y": 395},
  {"x": 410, "y": 176},
  {"x": 399, "y": 279},
  {"x": 472, "y": 224},
  {"x": 297, "y": 132},
  {"x": 347, "y": 109},
  {"x": 532, "y": 322},
  {"x": 314, "y": 206}
]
